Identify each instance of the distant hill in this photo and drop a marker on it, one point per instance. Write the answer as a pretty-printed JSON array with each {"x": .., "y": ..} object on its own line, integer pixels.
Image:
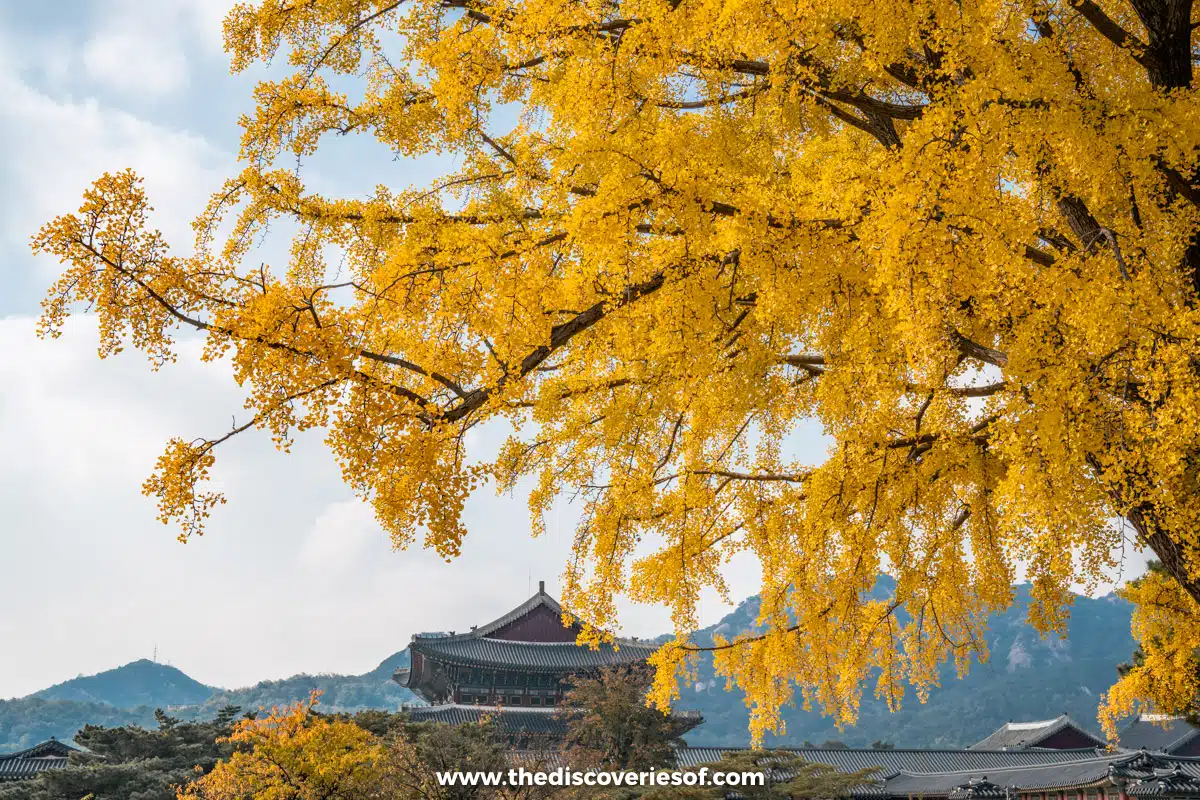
[
  {"x": 30, "y": 720},
  {"x": 128, "y": 695},
  {"x": 1028, "y": 678},
  {"x": 374, "y": 689},
  {"x": 140, "y": 683}
]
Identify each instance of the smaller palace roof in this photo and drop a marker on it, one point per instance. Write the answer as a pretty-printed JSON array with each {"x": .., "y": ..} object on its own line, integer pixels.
[
  {"x": 1020, "y": 735},
  {"x": 23, "y": 764},
  {"x": 508, "y": 720},
  {"x": 978, "y": 774},
  {"x": 896, "y": 761},
  {"x": 986, "y": 774},
  {"x": 1141, "y": 775},
  {"x": 1160, "y": 732}
]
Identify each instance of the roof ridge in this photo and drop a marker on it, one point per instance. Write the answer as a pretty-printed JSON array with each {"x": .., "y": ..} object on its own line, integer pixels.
[
  {"x": 615, "y": 640},
  {"x": 929, "y": 750},
  {"x": 49, "y": 743},
  {"x": 497, "y": 709},
  {"x": 1026, "y": 767},
  {"x": 481, "y": 631},
  {"x": 1061, "y": 719}
]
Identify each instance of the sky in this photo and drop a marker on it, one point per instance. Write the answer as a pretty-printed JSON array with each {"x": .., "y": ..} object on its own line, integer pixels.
[{"x": 293, "y": 575}]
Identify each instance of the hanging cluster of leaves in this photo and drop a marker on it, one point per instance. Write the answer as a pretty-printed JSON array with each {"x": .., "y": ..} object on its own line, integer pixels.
[{"x": 960, "y": 234}]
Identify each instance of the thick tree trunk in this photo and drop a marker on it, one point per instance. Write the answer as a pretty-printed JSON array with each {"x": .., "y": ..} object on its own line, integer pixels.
[
  {"x": 1168, "y": 63},
  {"x": 1167, "y": 548},
  {"x": 1169, "y": 41}
]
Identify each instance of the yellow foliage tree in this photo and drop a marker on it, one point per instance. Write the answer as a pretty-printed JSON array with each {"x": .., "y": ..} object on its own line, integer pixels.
[
  {"x": 961, "y": 234},
  {"x": 293, "y": 754},
  {"x": 1165, "y": 666}
]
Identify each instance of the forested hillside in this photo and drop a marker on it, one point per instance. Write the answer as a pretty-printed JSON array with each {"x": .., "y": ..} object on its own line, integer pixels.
[{"x": 62, "y": 710}]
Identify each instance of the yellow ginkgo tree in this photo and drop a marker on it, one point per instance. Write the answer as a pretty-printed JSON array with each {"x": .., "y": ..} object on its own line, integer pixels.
[
  {"x": 960, "y": 234},
  {"x": 293, "y": 754}
]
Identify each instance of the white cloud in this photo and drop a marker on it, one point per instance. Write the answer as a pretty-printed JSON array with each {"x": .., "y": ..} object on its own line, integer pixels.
[
  {"x": 343, "y": 537},
  {"x": 55, "y": 149},
  {"x": 147, "y": 48},
  {"x": 120, "y": 58}
]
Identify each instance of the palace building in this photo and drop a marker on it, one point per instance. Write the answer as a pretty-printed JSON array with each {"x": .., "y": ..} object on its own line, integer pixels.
[
  {"x": 515, "y": 670},
  {"x": 526, "y": 659}
]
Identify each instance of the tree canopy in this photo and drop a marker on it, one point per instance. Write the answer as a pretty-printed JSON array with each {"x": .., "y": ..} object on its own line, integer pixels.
[
  {"x": 133, "y": 763},
  {"x": 959, "y": 234},
  {"x": 292, "y": 754},
  {"x": 609, "y": 725}
]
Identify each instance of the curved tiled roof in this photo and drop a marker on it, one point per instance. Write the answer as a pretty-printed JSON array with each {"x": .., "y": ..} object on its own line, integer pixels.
[
  {"x": 891, "y": 762},
  {"x": 989, "y": 774},
  {"x": 1029, "y": 734},
  {"x": 1143, "y": 775},
  {"x": 508, "y": 720},
  {"x": 534, "y": 656},
  {"x": 984, "y": 774},
  {"x": 1177, "y": 782},
  {"x": 23, "y": 764},
  {"x": 477, "y": 648},
  {"x": 1157, "y": 732},
  {"x": 539, "y": 600}
]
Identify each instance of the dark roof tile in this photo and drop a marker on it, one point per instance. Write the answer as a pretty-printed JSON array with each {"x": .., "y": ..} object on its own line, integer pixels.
[
  {"x": 26, "y": 763},
  {"x": 532, "y": 656},
  {"x": 895, "y": 761},
  {"x": 508, "y": 720},
  {"x": 1157, "y": 732},
  {"x": 1028, "y": 734}
]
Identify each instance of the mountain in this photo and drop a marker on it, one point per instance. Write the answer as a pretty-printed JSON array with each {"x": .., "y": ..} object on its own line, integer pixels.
[
  {"x": 27, "y": 721},
  {"x": 141, "y": 683},
  {"x": 374, "y": 689},
  {"x": 128, "y": 695},
  {"x": 1027, "y": 678}
]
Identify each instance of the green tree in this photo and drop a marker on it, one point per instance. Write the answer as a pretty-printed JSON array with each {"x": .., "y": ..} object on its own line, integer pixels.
[
  {"x": 132, "y": 763},
  {"x": 418, "y": 751},
  {"x": 610, "y": 725}
]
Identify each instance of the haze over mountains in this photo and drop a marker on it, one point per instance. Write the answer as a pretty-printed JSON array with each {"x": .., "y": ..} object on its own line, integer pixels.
[{"x": 1027, "y": 678}]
